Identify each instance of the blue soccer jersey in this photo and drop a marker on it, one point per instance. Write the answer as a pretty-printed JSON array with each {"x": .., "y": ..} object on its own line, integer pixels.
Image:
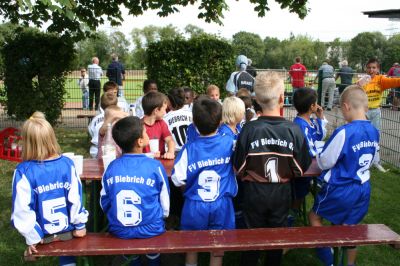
[
  {"x": 316, "y": 131},
  {"x": 205, "y": 167},
  {"x": 47, "y": 199},
  {"x": 135, "y": 194},
  {"x": 225, "y": 129},
  {"x": 349, "y": 153}
]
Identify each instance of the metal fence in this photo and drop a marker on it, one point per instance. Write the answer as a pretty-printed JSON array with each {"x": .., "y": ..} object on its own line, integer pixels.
[{"x": 390, "y": 133}]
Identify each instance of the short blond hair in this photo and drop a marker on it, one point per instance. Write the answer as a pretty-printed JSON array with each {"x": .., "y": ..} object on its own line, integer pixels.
[
  {"x": 233, "y": 110},
  {"x": 38, "y": 138},
  {"x": 211, "y": 88},
  {"x": 354, "y": 96},
  {"x": 268, "y": 88}
]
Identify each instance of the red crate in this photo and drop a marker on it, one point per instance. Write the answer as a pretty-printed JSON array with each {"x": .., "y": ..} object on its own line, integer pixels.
[{"x": 10, "y": 148}]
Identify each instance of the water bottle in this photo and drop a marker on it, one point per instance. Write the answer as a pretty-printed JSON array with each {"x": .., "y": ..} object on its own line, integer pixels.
[
  {"x": 108, "y": 147},
  {"x": 364, "y": 80},
  {"x": 132, "y": 111},
  {"x": 286, "y": 100}
]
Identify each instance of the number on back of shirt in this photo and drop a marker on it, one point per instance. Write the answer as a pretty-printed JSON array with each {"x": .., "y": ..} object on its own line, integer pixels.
[
  {"x": 271, "y": 170},
  {"x": 209, "y": 181},
  {"x": 365, "y": 163},
  {"x": 58, "y": 220},
  {"x": 127, "y": 213},
  {"x": 180, "y": 134}
]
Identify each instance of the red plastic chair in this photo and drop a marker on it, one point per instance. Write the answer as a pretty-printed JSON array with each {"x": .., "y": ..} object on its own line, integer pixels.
[{"x": 10, "y": 149}]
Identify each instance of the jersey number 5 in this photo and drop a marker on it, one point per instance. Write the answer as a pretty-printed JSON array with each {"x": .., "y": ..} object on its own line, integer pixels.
[
  {"x": 58, "y": 220},
  {"x": 127, "y": 213}
]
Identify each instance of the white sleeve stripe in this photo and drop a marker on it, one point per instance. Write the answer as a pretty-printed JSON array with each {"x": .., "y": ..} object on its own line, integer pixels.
[
  {"x": 179, "y": 176},
  {"x": 24, "y": 218},
  {"x": 78, "y": 214},
  {"x": 328, "y": 158},
  {"x": 164, "y": 195}
]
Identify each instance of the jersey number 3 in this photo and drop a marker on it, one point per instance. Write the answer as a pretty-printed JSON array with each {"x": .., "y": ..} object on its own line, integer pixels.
[
  {"x": 209, "y": 181},
  {"x": 128, "y": 214}
]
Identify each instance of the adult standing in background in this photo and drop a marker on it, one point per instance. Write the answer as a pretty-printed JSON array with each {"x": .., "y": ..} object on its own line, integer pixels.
[
  {"x": 345, "y": 74},
  {"x": 240, "y": 79},
  {"x": 250, "y": 69},
  {"x": 95, "y": 72},
  {"x": 116, "y": 73},
  {"x": 297, "y": 72},
  {"x": 328, "y": 84},
  {"x": 394, "y": 71}
]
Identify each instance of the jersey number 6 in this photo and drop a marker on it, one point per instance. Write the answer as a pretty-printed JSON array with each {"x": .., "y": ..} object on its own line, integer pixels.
[{"x": 128, "y": 214}]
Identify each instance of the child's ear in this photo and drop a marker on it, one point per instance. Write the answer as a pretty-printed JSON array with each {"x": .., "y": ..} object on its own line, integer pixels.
[
  {"x": 140, "y": 142},
  {"x": 281, "y": 100}
]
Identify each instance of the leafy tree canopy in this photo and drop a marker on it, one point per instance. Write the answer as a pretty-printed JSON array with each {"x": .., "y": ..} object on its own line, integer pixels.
[{"x": 76, "y": 18}]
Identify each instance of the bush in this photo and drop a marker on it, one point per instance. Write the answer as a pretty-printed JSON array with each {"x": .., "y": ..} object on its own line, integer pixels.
[
  {"x": 196, "y": 63},
  {"x": 35, "y": 65}
]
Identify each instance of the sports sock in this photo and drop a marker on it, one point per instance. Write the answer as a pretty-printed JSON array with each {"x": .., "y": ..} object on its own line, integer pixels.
[{"x": 325, "y": 255}]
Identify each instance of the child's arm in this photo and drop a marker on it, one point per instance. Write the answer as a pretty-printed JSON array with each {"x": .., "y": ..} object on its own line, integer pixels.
[
  {"x": 170, "y": 154},
  {"x": 78, "y": 213},
  {"x": 179, "y": 172},
  {"x": 332, "y": 150},
  {"x": 111, "y": 117},
  {"x": 387, "y": 83},
  {"x": 23, "y": 216},
  {"x": 240, "y": 153},
  {"x": 164, "y": 191}
]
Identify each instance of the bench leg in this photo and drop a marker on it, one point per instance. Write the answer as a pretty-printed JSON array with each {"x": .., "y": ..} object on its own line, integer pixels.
[{"x": 340, "y": 256}]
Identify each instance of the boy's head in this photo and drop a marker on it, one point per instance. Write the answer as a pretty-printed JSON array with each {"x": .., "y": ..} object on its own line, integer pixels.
[
  {"x": 213, "y": 92},
  {"x": 149, "y": 85},
  {"x": 39, "y": 140},
  {"x": 353, "y": 100},
  {"x": 233, "y": 110},
  {"x": 154, "y": 103},
  {"x": 110, "y": 87},
  {"x": 297, "y": 59},
  {"x": 373, "y": 67},
  {"x": 304, "y": 100},
  {"x": 83, "y": 71},
  {"x": 189, "y": 95},
  {"x": 107, "y": 100},
  {"x": 129, "y": 133},
  {"x": 269, "y": 90},
  {"x": 176, "y": 97},
  {"x": 207, "y": 114},
  {"x": 243, "y": 92}
]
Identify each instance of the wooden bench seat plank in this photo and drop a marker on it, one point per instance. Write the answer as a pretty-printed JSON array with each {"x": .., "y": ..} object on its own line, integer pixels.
[{"x": 225, "y": 240}]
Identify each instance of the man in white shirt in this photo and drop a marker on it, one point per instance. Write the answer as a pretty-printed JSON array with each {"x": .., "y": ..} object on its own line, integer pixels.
[{"x": 95, "y": 72}]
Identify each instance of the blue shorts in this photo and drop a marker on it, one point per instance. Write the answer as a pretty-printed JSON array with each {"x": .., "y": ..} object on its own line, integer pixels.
[
  {"x": 141, "y": 231},
  {"x": 200, "y": 215},
  {"x": 345, "y": 204},
  {"x": 302, "y": 187}
]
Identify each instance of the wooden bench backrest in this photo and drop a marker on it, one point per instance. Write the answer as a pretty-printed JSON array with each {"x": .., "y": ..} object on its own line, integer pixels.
[{"x": 217, "y": 241}]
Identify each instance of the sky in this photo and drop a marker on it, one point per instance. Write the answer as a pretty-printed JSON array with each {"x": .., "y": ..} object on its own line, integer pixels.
[{"x": 326, "y": 21}]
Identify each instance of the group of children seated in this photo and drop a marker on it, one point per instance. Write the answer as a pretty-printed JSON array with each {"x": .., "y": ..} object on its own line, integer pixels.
[{"x": 237, "y": 162}]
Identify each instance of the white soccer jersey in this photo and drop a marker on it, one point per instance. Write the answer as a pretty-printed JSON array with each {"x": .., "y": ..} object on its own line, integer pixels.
[
  {"x": 178, "y": 121},
  {"x": 94, "y": 128}
]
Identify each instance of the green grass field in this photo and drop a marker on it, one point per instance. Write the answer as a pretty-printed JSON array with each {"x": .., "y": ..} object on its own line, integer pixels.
[{"x": 385, "y": 202}]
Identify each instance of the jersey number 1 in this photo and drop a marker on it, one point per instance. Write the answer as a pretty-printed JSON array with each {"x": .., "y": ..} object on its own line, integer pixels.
[{"x": 180, "y": 134}]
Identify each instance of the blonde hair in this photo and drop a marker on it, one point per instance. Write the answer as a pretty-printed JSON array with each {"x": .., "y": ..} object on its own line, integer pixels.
[
  {"x": 355, "y": 96},
  {"x": 268, "y": 88},
  {"x": 233, "y": 110},
  {"x": 39, "y": 139},
  {"x": 211, "y": 88},
  {"x": 108, "y": 99}
]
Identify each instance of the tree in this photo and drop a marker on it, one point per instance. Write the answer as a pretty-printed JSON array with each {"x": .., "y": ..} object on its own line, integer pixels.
[
  {"x": 364, "y": 46},
  {"x": 392, "y": 52},
  {"x": 193, "y": 31},
  {"x": 249, "y": 44},
  {"x": 98, "y": 45},
  {"x": 35, "y": 68},
  {"x": 119, "y": 45},
  {"x": 76, "y": 18}
]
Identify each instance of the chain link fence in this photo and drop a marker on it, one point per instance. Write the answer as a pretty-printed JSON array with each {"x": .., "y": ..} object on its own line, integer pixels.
[{"x": 390, "y": 133}]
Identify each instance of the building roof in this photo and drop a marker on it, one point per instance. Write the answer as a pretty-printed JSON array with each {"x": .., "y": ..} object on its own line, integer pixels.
[{"x": 389, "y": 13}]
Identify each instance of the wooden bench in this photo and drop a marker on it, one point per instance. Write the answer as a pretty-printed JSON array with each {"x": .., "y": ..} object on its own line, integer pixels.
[
  {"x": 88, "y": 116},
  {"x": 219, "y": 241}
]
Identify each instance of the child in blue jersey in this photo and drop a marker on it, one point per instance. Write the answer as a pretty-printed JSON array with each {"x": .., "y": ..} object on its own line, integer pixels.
[
  {"x": 345, "y": 161},
  {"x": 47, "y": 192},
  {"x": 233, "y": 111},
  {"x": 135, "y": 193},
  {"x": 314, "y": 129},
  {"x": 204, "y": 167}
]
